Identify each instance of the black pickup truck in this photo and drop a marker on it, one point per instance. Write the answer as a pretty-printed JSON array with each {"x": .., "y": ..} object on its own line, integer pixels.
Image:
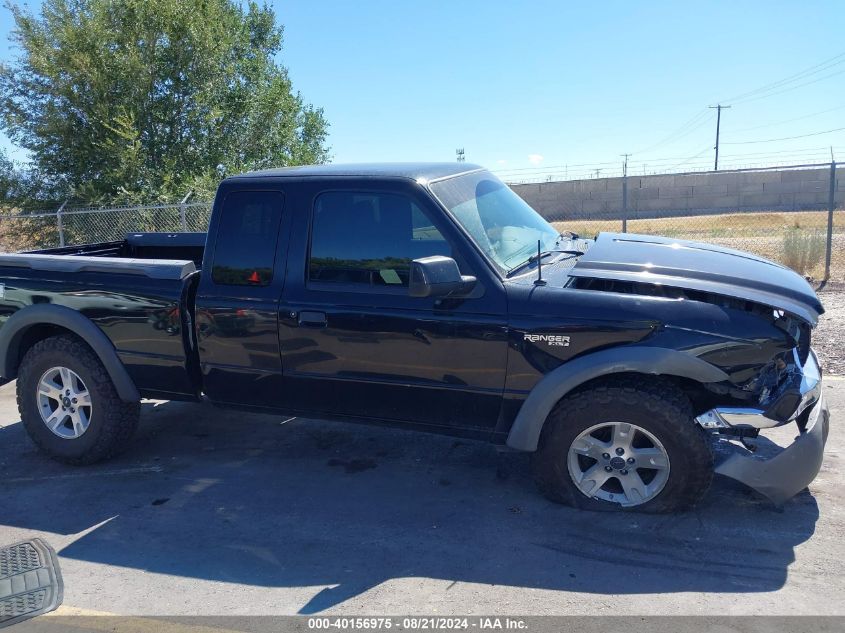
[{"x": 428, "y": 296}]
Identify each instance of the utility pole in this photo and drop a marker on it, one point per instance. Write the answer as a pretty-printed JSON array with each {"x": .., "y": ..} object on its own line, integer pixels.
[
  {"x": 831, "y": 205},
  {"x": 460, "y": 154},
  {"x": 718, "y": 108},
  {"x": 625, "y": 193}
]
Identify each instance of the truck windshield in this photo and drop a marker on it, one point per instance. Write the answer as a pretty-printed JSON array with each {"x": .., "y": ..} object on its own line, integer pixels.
[{"x": 501, "y": 223}]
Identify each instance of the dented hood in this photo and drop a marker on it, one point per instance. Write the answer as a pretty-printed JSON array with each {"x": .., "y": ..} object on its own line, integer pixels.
[{"x": 698, "y": 266}]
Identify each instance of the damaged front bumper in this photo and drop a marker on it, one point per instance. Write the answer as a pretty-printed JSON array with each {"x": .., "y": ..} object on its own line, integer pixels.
[{"x": 792, "y": 469}]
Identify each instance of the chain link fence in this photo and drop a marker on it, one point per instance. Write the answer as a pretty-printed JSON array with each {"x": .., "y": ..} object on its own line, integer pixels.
[
  {"x": 85, "y": 225},
  {"x": 793, "y": 215}
]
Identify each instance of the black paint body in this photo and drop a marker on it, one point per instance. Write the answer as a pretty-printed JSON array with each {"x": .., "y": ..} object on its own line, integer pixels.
[{"x": 459, "y": 366}]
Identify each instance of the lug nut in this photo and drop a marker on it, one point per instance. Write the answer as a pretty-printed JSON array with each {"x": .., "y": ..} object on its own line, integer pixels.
[
  {"x": 624, "y": 471},
  {"x": 67, "y": 392},
  {"x": 608, "y": 469},
  {"x": 606, "y": 455},
  {"x": 74, "y": 402},
  {"x": 630, "y": 459},
  {"x": 72, "y": 410},
  {"x": 620, "y": 451}
]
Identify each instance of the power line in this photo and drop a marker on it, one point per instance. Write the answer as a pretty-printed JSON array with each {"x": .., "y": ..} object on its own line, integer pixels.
[
  {"x": 801, "y": 74},
  {"x": 758, "y": 156},
  {"x": 693, "y": 129},
  {"x": 791, "y": 88},
  {"x": 799, "y": 118},
  {"x": 691, "y": 158},
  {"x": 786, "y": 138},
  {"x": 815, "y": 150},
  {"x": 690, "y": 163},
  {"x": 661, "y": 163},
  {"x": 683, "y": 130},
  {"x": 752, "y": 95}
]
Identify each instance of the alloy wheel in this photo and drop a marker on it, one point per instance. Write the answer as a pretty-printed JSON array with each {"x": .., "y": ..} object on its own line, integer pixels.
[
  {"x": 618, "y": 462},
  {"x": 64, "y": 402}
]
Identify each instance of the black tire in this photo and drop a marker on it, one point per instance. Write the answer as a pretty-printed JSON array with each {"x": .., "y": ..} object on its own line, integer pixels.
[
  {"x": 651, "y": 403},
  {"x": 112, "y": 422}
]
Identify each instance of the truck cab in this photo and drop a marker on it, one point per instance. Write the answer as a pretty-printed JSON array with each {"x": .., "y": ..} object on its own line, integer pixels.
[{"x": 324, "y": 322}]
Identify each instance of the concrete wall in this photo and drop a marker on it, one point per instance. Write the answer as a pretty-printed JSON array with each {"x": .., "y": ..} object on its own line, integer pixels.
[{"x": 669, "y": 195}]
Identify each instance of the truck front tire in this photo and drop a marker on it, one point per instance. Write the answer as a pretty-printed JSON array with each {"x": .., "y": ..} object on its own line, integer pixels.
[
  {"x": 69, "y": 405},
  {"x": 628, "y": 444}
]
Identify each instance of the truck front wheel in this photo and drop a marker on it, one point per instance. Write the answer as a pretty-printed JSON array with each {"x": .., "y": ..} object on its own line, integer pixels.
[
  {"x": 69, "y": 405},
  {"x": 630, "y": 444}
]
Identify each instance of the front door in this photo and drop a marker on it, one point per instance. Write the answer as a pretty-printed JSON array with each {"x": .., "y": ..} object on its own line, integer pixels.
[{"x": 354, "y": 343}]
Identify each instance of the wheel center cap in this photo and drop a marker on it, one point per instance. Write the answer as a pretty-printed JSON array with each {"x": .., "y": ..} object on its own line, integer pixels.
[
  {"x": 66, "y": 401},
  {"x": 617, "y": 463}
]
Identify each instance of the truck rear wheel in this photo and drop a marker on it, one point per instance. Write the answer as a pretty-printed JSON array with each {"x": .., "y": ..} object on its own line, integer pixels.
[
  {"x": 630, "y": 444},
  {"x": 69, "y": 405}
]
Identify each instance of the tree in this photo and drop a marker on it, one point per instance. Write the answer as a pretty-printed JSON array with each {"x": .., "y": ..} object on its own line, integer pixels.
[
  {"x": 143, "y": 99},
  {"x": 22, "y": 187},
  {"x": 10, "y": 180}
]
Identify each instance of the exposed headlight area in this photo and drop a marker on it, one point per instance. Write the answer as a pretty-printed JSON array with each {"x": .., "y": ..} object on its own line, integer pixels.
[
  {"x": 786, "y": 387},
  {"x": 799, "y": 330}
]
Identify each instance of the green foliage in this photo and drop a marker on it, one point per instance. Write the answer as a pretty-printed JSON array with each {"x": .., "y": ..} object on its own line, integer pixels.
[
  {"x": 9, "y": 180},
  {"x": 128, "y": 100},
  {"x": 803, "y": 249},
  {"x": 22, "y": 187}
]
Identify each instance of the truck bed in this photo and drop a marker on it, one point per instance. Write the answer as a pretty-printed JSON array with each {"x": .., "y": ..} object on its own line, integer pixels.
[
  {"x": 154, "y": 268},
  {"x": 138, "y": 291},
  {"x": 137, "y": 248}
]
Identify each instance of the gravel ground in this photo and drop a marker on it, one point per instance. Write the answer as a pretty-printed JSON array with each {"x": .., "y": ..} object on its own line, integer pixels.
[{"x": 829, "y": 337}]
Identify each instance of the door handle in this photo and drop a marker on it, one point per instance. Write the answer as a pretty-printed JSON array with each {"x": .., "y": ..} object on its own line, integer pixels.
[{"x": 312, "y": 319}]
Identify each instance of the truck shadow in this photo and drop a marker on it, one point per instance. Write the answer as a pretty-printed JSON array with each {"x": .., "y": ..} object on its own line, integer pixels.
[{"x": 250, "y": 499}]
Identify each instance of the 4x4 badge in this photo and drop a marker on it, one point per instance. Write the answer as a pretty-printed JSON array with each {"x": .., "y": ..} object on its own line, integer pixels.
[{"x": 557, "y": 340}]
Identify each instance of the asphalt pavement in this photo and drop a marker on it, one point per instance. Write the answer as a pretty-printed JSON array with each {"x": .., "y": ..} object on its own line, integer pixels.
[{"x": 225, "y": 513}]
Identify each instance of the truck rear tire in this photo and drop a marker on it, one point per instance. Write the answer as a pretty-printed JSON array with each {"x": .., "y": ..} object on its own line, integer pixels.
[
  {"x": 69, "y": 405},
  {"x": 629, "y": 444}
]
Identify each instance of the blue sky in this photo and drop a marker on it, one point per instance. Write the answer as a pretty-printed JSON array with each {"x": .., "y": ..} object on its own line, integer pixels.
[{"x": 534, "y": 87}]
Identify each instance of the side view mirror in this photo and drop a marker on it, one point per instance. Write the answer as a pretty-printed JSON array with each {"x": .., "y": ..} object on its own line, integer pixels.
[{"x": 438, "y": 276}]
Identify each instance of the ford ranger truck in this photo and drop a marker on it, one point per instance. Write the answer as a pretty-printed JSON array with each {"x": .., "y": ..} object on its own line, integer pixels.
[{"x": 431, "y": 297}]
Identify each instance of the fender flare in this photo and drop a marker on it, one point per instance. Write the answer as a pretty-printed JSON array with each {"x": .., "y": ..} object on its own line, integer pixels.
[
  {"x": 13, "y": 330},
  {"x": 524, "y": 434}
]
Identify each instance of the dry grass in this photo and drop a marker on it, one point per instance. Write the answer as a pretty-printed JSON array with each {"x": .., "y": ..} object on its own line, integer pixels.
[
  {"x": 803, "y": 249},
  {"x": 760, "y": 233},
  {"x": 728, "y": 224},
  {"x": 22, "y": 233}
]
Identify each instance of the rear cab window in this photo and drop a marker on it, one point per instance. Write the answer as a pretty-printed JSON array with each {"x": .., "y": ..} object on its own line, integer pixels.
[{"x": 247, "y": 234}]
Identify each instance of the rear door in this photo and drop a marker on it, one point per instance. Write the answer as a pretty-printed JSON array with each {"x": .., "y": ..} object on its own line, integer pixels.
[
  {"x": 236, "y": 305},
  {"x": 354, "y": 343}
]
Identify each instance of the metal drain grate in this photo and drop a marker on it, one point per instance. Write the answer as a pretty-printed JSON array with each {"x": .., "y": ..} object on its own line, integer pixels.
[{"x": 30, "y": 581}]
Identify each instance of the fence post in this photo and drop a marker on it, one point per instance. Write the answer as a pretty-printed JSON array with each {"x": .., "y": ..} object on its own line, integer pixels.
[
  {"x": 830, "y": 207},
  {"x": 625, "y": 203},
  {"x": 59, "y": 224},
  {"x": 182, "y": 210}
]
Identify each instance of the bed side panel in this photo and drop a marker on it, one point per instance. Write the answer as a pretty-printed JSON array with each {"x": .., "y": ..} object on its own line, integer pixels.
[{"x": 140, "y": 315}]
